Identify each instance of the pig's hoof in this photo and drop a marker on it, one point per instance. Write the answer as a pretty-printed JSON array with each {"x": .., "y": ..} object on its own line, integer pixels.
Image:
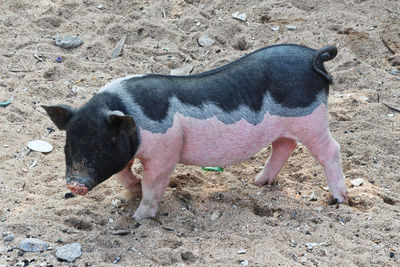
[
  {"x": 342, "y": 198},
  {"x": 137, "y": 216},
  {"x": 262, "y": 180}
]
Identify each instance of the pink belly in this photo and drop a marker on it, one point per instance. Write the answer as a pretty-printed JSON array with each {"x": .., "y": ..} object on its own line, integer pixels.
[{"x": 210, "y": 142}]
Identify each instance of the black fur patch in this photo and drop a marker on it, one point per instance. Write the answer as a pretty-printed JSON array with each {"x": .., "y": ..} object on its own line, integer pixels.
[{"x": 285, "y": 71}]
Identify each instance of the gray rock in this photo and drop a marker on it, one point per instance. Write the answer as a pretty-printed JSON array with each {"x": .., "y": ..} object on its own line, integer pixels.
[
  {"x": 69, "y": 252},
  {"x": 205, "y": 41},
  {"x": 9, "y": 238},
  {"x": 68, "y": 41},
  {"x": 3, "y": 249},
  {"x": 244, "y": 262},
  {"x": 32, "y": 245},
  {"x": 394, "y": 72}
]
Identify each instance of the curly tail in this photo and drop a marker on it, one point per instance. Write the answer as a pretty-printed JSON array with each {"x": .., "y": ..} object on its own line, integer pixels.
[{"x": 322, "y": 55}]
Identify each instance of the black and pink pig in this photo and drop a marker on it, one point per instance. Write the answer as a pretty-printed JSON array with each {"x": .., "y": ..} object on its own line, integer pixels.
[{"x": 276, "y": 95}]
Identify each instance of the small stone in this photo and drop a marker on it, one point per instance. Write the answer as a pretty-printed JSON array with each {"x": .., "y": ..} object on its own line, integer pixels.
[
  {"x": 9, "y": 238},
  {"x": 76, "y": 89},
  {"x": 357, "y": 182},
  {"x": 312, "y": 197},
  {"x": 116, "y": 203},
  {"x": 188, "y": 256},
  {"x": 3, "y": 249},
  {"x": 40, "y": 146},
  {"x": 205, "y": 41},
  {"x": 185, "y": 70},
  {"x": 69, "y": 252},
  {"x": 32, "y": 245},
  {"x": 310, "y": 246},
  {"x": 391, "y": 255},
  {"x": 244, "y": 262},
  {"x": 291, "y": 27},
  {"x": 275, "y": 29},
  {"x": 215, "y": 215},
  {"x": 100, "y": 6},
  {"x": 198, "y": 24},
  {"x": 239, "y": 16},
  {"x": 68, "y": 41},
  {"x": 241, "y": 251},
  {"x": 390, "y": 115},
  {"x": 68, "y": 195},
  {"x": 394, "y": 72},
  {"x": 303, "y": 260}
]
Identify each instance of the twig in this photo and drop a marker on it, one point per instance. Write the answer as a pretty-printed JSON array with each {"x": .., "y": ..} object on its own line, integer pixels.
[
  {"x": 387, "y": 46},
  {"x": 392, "y": 107}
]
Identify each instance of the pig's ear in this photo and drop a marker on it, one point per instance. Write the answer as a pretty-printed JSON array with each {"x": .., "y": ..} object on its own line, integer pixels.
[
  {"x": 60, "y": 115},
  {"x": 125, "y": 122}
]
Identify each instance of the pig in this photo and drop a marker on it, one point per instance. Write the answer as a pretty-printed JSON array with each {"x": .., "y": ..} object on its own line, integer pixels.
[{"x": 276, "y": 95}]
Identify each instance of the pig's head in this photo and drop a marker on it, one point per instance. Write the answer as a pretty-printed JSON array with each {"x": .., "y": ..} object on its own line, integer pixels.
[{"x": 100, "y": 142}]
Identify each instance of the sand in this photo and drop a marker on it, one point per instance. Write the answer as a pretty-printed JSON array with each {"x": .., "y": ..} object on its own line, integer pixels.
[{"x": 205, "y": 218}]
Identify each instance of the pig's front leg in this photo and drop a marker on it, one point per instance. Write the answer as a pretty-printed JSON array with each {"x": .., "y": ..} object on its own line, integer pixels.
[
  {"x": 156, "y": 177},
  {"x": 281, "y": 151},
  {"x": 128, "y": 179}
]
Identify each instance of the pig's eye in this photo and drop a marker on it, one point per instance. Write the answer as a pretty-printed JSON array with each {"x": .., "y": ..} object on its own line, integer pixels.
[{"x": 105, "y": 149}]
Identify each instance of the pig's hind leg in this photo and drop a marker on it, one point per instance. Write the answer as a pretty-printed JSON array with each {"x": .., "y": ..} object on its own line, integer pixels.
[
  {"x": 282, "y": 148},
  {"x": 128, "y": 179},
  {"x": 327, "y": 151}
]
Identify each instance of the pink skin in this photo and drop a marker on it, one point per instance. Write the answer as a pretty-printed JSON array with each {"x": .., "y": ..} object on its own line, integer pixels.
[
  {"x": 77, "y": 188},
  {"x": 212, "y": 143},
  {"x": 128, "y": 179}
]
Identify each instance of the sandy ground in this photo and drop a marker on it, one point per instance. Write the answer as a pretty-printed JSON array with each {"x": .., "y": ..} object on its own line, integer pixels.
[{"x": 276, "y": 225}]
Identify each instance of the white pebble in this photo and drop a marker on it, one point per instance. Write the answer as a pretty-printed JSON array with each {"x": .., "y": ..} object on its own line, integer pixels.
[
  {"x": 357, "y": 182},
  {"x": 239, "y": 16}
]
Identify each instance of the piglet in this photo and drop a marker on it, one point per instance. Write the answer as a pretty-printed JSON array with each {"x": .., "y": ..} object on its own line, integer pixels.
[{"x": 277, "y": 95}]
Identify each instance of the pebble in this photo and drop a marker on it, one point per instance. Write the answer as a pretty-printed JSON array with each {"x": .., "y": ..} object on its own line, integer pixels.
[
  {"x": 310, "y": 246},
  {"x": 76, "y": 89},
  {"x": 116, "y": 203},
  {"x": 215, "y": 215},
  {"x": 40, "y": 146},
  {"x": 275, "y": 29},
  {"x": 69, "y": 252},
  {"x": 9, "y": 238},
  {"x": 68, "y": 41},
  {"x": 291, "y": 27},
  {"x": 244, "y": 262},
  {"x": 357, "y": 182},
  {"x": 239, "y": 16},
  {"x": 312, "y": 197},
  {"x": 205, "y": 41},
  {"x": 185, "y": 70},
  {"x": 32, "y": 245},
  {"x": 100, "y": 6},
  {"x": 3, "y": 249},
  {"x": 390, "y": 115},
  {"x": 394, "y": 72},
  {"x": 241, "y": 251}
]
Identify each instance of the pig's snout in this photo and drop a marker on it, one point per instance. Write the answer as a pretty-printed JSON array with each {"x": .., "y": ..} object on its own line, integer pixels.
[{"x": 77, "y": 188}]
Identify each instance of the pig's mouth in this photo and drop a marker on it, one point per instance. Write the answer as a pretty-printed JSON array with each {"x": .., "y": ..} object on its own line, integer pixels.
[
  {"x": 77, "y": 188},
  {"x": 79, "y": 185}
]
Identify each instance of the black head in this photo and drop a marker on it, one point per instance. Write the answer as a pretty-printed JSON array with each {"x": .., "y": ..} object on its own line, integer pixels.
[{"x": 100, "y": 142}]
